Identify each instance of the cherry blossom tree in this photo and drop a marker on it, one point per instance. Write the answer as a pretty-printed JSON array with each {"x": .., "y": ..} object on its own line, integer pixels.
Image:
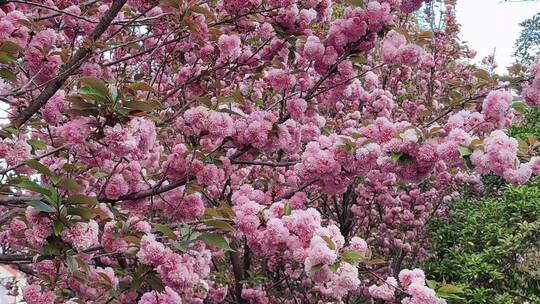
[{"x": 261, "y": 151}]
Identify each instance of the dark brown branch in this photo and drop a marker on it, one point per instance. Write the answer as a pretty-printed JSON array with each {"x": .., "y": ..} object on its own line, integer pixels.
[
  {"x": 15, "y": 258},
  {"x": 238, "y": 275},
  {"x": 146, "y": 193},
  {"x": 301, "y": 188}
]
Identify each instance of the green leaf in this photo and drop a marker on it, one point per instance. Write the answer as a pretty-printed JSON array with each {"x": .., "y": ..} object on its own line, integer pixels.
[
  {"x": 376, "y": 262},
  {"x": 238, "y": 97},
  {"x": 334, "y": 267},
  {"x": 78, "y": 103},
  {"x": 139, "y": 105},
  {"x": 432, "y": 284},
  {"x": 395, "y": 155},
  {"x": 464, "y": 151},
  {"x": 41, "y": 206},
  {"x": 97, "y": 84},
  {"x": 6, "y": 58},
  {"x": 93, "y": 94},
  {"x": 141, "y": 86},
  {"x": 165, "y": 230},
  {"x": 171, "y": 3},
  {"x": 287, "y": 209},
  {"x": 114, "y": 93},
  {"x": 35, "y": 187},
  {"x": 105, "y": 278},
  {"x": 51, "y": 249},
  {"x": 72, "y": 263},
  {"x": 37, "y": 144},
  {"x": 329, "y": 242},
  {"x": 85, "y": 213},
  {"x": 58, "y": 227},
  {"x": 204, "y": 11},
  {"x": 315, "y": 269},
  {"x": 184, "y": 231},
  {"x": 121, "y": 110},
  {"x": 132, "y": 239},
  {"x": 8, "y": 75},
  {"x": 155, "y": 283},
  {"x": 520, "y": 107},
  {"x": 356, "y": 2},
  {"x": 449, "y": 289},
  {"x": 220, "y": 224},
  {"x": 135, "y": 283},
  {"x": 216, "y": 240},
  {"x": 204, "y": 101},
  {"x": 10, "y": 47},
  {"x": 82, "y": 199},
  {"x": 39, "y": 167},
  {"x": 482, "y": 74},
  {"x": 352, "y": 256},
  {"x": 70, "y": 185},
  {"x": 183, "y": 246}
]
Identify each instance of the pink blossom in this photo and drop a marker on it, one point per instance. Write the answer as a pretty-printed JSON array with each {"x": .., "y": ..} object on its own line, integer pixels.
[
  {"x": 297, "y": 107},
  {"x": 116, "y": 186},
  {"x": 33, "y": 294},
  {"x": 110, "y": 241},
  {"x": 229, "y": 46},
  {"x": 495, "y": 107},
  {"x": 280, "y": 79},
  {"x": 169, "y": 296},
  {"x": 407, "y": 277},
  {"x": 313, "y": 48},
  {"x": 151, "y": 251},
  {"x": 82, "y": 235},
  {"x": 385, "y": 291}
]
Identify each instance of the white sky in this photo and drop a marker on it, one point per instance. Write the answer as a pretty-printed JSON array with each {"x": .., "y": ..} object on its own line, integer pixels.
[{"x": 493, "y": 24}]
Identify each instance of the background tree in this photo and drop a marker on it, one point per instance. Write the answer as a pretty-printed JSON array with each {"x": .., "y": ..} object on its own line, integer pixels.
[{"x": 528, "y": 43}]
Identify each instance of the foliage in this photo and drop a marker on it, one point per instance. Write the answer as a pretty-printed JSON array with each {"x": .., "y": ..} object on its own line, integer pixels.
[
  {"x": 490, "y": 246},
  {"x": 527, "y": 44}
]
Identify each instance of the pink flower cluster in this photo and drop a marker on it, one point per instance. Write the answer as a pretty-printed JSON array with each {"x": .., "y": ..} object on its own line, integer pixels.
[
  {"x": 359, "y": 23},
  {"x": 133, "y": 140},
  {"x": 39, "y": 58},
  {"x": 280, "y": 79},
  {"x": 495, "y": 108},
  {"x": 100, "y": 284},
  {"x": 412, "y": 282},
  {"x": 181, "y": 272},
  {"x": 178, "y": 205},
  {"x": 82, "y": 235},
  {"x": 396, "y": 50},
  {"x": 531, "y": 90},
  {"x": 168, "y": 296},
  {"x": 40, "y": 229},
  {"x": 33, "y": 294},
  {"x": 202, "y": 121},
  {"x": 500, "y": 157}
]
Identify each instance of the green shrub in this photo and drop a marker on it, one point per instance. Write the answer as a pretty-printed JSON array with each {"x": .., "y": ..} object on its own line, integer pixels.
[{"x": 490, "y": 246}]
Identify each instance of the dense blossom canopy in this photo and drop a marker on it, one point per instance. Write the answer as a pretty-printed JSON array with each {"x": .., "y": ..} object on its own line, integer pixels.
[{"x": 260, "y": 151}]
